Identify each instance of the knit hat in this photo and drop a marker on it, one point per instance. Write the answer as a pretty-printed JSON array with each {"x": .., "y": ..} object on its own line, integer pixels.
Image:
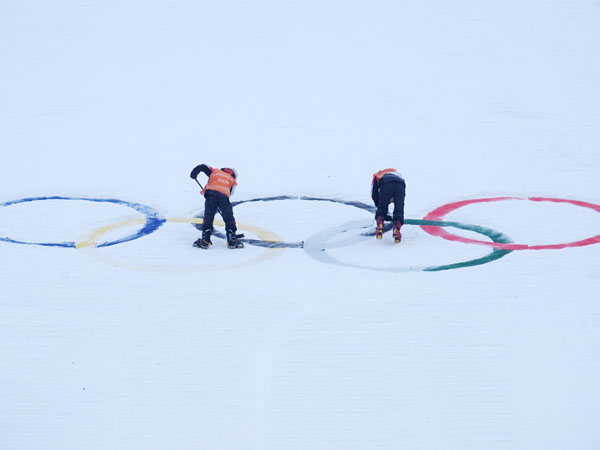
[{"x": 230, "y": 171}]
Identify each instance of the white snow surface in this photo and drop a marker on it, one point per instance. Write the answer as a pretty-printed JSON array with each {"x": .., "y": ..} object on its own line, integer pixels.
[{"x": 152, "y": 344}]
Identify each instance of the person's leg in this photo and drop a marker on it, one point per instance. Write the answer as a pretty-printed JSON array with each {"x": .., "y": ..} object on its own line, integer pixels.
[
  {"x": 399, "y": 193},
  {"x": 230, "y": 226},
  {"x": 385, "y": 195},
  {"x": 211, "y": 204},
  {"x": 210, "y": 208},
  {"x": 398, "y": 217},
  {"x": 227, "y": 214}
]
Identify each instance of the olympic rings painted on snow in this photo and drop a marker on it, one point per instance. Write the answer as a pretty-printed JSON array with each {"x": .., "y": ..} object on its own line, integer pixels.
[
  {"x": 89, "y": 243},
  {"x": 316, "y": 246},
  {"x": 441, "y": 212},
  {"x": 152, "y": 222}
]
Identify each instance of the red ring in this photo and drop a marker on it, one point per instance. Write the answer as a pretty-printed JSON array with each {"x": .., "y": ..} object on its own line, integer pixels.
[{"x": 442, "y": 211}]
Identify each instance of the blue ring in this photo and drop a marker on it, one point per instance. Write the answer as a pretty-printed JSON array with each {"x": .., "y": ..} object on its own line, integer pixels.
[{"x": 153, "y": 220}]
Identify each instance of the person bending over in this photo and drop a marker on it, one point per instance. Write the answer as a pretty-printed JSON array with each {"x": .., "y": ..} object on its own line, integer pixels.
[
  {"x": 388, "y": 186},
  {"x": 220, "y": 186}
]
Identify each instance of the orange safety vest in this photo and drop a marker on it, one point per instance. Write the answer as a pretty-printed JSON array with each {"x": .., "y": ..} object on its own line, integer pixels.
[
  {"x": 379, "y": 175},
  {"x": 220, "y": 181}
]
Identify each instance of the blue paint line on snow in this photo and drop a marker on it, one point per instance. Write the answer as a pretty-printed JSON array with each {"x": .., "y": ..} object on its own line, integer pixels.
[{"x": 153, "y": 220}]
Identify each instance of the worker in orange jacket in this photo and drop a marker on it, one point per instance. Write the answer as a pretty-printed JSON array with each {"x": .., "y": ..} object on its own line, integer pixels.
[
  {"x": 388, "y": 186},
  {"x": 220, "y": 186}
]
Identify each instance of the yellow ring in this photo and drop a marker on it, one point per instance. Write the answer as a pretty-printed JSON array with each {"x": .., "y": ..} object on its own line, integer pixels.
[{"x": 89, "y": 243}]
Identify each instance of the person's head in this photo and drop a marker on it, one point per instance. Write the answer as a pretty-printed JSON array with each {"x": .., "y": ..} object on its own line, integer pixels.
[{"x": 230, "y": 171}]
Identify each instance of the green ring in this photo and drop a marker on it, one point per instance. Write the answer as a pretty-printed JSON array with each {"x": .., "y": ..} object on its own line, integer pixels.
[{"x": 315, "y": 246}]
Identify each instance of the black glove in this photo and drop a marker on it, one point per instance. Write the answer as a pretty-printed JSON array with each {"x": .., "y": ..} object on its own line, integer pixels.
[{"x": 195, "y": 172}]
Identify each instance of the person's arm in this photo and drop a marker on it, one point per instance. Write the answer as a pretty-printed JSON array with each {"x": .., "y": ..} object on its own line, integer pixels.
[
  {"x": 375, "y": 191},
  {"x": 200, "y": 168}
]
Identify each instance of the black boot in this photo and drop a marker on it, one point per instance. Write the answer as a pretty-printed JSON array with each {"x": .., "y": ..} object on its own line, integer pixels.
[
  {"x": 204, "y": 242},
  {"x": 233, "y": 241}
]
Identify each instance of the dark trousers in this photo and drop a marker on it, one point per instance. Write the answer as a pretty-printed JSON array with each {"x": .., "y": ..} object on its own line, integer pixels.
[
  {"x": 214, "y": 201},
  {"x": 394, "y": 190}
]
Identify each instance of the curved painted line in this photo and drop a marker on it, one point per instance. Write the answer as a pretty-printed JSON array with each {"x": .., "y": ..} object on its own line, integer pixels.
[
  {"x": 441, "y": 212},
  {"x": 316, "y": 246},
  {"x": 88, "y": 244},
  {"x": 152, "y": 222},
  {"x": 282, "y": 244}
]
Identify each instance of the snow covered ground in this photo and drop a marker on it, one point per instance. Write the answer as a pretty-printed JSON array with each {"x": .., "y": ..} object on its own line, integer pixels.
[{"x": 338, "y": 341}]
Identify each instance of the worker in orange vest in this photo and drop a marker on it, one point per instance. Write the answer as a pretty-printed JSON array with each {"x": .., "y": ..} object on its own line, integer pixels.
[
  {"x": 220, "y": 186},
  {"x": 388, "y": 186}
]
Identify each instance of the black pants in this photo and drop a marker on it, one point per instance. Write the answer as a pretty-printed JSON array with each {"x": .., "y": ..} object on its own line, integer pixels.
[
  {"x": 214, "y": 200},
  {"x": 394, "y": 190}
]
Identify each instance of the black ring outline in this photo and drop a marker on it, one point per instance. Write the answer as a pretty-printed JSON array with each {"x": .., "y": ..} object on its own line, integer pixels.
[{"x": 272, "y": 244}]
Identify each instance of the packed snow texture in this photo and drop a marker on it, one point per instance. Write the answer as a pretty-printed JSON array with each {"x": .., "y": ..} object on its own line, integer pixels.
[{"x": 152, "y": 344}]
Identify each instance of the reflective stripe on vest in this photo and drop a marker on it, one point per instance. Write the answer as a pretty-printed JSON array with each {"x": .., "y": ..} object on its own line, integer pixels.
[{"x": 221, "y": 182}]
